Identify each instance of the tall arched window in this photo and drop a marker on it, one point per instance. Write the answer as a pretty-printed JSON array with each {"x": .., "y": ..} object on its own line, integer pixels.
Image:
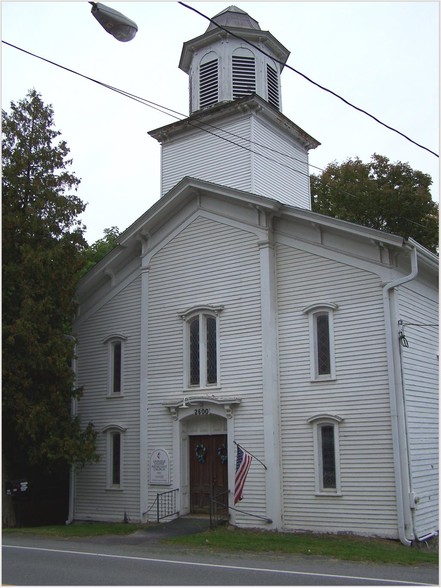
[
  {"x": 115, "y": 456},
  {"x": 321, "y": 328},
  {"x": 115, "y": 381},
  {"x": 326, "y": 454},
  {"x": 201, "y": 347},
  {"x": 244, "y": 73}
]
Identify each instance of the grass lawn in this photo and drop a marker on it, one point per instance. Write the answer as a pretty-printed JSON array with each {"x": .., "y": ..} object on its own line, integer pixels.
[
  {"x": 345, "y": 547},
  {"x": 76, "y": 530}
]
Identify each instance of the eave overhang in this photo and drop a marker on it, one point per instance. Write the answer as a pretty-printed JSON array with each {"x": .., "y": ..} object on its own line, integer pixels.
[
  {"x": 232, "y": 109},
  {"x": 257, "y": 37}
]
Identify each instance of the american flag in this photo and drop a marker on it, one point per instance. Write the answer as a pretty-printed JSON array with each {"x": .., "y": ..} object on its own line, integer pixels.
[{"x": 243, "y": 462}]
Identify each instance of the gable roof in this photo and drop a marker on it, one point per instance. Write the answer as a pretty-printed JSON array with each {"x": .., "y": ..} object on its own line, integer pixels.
[{"x": 130, "y": 241}]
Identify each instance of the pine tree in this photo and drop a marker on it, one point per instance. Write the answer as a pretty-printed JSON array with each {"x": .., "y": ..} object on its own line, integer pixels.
[{"x": 42, "y": 239}]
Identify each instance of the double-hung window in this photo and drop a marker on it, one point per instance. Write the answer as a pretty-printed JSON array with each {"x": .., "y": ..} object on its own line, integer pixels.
[
  {"x": 326, "y": 454},
  {"x": 201, "y": 357},
  {"x": 321, "y": 337}
]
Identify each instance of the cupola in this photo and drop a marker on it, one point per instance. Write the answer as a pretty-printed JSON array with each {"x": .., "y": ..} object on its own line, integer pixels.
[
  {"x": 222, "y": 66},
  {"x": 236, "y": 134}
]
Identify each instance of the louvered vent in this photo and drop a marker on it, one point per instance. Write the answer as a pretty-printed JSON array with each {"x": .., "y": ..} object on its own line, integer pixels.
[
  {"x": 244, "y": 76},
  {"x": 208, "y": 83},
  {"x": 273, "y": 86}
]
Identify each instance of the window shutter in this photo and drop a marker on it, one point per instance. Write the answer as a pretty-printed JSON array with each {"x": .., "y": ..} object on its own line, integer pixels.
[
  {"x": 209, "y": 83},
  {"x": 244, "y": 76},
  {"x": 273, "y": 86}
]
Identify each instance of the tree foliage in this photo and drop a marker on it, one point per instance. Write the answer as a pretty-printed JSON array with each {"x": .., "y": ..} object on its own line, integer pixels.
[
  {"x": 391, "y": 197},
  {"x": 42, "y": 241},
  {"x": 95, "y": 252}
]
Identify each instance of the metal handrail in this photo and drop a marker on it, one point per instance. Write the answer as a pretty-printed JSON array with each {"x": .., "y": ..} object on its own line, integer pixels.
[
  {"x": 219, "y": 509},
  {"x": 166, "y": 504}
]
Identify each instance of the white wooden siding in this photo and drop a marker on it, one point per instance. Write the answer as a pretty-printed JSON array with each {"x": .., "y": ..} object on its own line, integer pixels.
[
  {"x": 208, "y": 262},
  {"x": 359, "y": 395},
  {"x": 280, "y": 170},
  {"x": 206, "y": 156},
  {"x": 119, "y": 315},
  {"x": 420, "y": 373}
]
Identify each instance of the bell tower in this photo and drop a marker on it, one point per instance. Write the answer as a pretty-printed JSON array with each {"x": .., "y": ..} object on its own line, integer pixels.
[
  {"x": 224, "y": 66},
  {"x": 236, "y": 134}
]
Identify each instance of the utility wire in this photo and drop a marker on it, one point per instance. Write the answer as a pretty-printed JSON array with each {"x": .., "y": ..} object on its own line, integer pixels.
[
  {"x": 173, "y": 113},
  {"x": 179, "y": 116},
  {"x": 307, "y": 78}
]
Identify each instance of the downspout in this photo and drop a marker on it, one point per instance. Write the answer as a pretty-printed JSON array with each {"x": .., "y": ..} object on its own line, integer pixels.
[{"x": 399, "y": 440}]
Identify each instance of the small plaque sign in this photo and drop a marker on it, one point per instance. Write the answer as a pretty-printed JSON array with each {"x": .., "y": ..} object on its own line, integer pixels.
[{"x": 160, "y": 467}]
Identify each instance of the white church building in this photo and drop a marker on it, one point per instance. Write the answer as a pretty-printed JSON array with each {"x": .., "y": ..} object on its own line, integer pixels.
[{"x": 230, "y": 313}]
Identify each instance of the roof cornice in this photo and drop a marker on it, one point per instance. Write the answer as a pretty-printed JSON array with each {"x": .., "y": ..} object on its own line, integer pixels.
[{"x": 232, "y": 109}]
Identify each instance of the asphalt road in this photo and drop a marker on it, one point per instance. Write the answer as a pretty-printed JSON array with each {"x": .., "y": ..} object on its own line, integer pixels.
[{"x": 120, "y": 562}]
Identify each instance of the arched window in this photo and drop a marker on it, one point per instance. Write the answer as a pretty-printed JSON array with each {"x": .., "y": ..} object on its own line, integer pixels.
[
  {"x": 209, "y": 80},
  {"x": 115, "y": 456},
  {"x": 321, "y": 328},
  {"x": 201, "y": 347},
  {"x": 244, "y": 73},
  {"x": 115, "y": 380},
  {"x": 326, "y": 454}
]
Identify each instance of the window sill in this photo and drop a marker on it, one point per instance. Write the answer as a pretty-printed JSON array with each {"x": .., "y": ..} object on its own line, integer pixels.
[
  {"x": 202, "y": 390},
  {"x": 328, "y": 494},
  {"x": 323, "y": 379},
  {"x": 115, "y": 395}
]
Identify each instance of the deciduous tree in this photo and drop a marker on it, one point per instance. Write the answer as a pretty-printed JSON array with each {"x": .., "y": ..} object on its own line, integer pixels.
[{"x": 391, "y": 197}]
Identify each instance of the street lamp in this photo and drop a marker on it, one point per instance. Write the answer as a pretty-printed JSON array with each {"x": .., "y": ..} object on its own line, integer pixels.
[{"x": 115, "y": 23}]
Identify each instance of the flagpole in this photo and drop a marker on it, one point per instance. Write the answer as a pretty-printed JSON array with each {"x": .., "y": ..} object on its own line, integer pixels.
[{"x": 256, "y": 458}]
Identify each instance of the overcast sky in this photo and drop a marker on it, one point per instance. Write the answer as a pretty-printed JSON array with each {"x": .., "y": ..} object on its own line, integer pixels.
[{"x": 381, "y": 56}]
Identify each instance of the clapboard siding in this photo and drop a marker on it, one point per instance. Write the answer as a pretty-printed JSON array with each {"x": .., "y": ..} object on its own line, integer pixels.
[
  {"x": 359, "y": 395},
  {"x": 280, "y": 168},
  {"x": 420, "y": 374},
  {"x": 228, "y": 163},
  {"x": 208, "y": 262},
  {"x": 121, "y": 315}
]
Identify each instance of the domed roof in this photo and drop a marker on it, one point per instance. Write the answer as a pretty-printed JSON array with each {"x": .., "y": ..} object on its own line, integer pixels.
[{"x": 234, "y": 17}]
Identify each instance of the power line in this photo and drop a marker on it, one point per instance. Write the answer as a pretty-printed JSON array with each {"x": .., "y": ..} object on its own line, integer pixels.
[
  {"x": 174, "y": 113},
  {"x": 198, "y": 125},
  {"x": 308, "y": 78}
]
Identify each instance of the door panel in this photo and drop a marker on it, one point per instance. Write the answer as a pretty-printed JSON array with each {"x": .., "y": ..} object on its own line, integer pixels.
[{"x": 208, "y": 470}]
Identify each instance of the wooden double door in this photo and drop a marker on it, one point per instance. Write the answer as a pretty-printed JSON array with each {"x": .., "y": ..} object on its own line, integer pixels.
[{"x": 208, "y": 470}]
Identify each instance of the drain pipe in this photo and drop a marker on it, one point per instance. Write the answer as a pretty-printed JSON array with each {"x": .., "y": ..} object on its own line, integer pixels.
[{"x": 400, "y": 452}]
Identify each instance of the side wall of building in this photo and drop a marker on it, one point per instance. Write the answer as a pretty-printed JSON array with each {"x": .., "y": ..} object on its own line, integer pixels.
[
  {"x": 418, "y": 307},
  {"x": 119, "y": 314},
  {"x": 358, "y": 396}
]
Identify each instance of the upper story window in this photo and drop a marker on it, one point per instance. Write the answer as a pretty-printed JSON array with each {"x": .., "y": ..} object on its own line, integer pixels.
[
  {"x": 244, "y": 73},
  {"x": 326, "y": 454},
  {"x": 272, "y": 82},
  {"x": 201, "y": 347},
  {"x": 321, "y": 329},
  {"x": 209, "y": 80},
  {"x": 116, "y": 344}
]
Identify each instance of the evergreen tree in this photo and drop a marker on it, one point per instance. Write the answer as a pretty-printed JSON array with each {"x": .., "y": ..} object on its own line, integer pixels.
[
  {"x": 42, "y": 241},
  {"x": 391, "y": 197}
]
